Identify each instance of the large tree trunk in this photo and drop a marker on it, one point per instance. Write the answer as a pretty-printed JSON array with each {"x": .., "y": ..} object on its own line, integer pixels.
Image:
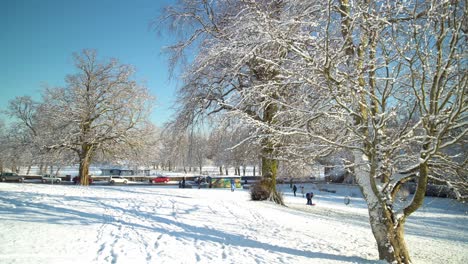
[
  {"x": 85, "y": 160},
  {"x": 269, "y": 163},
  {"x": 84, "y": 172},
  {"x": 389, "y": 237},
  {"x": 387, "y": 229},
  {"x": 270, "y": 169}
]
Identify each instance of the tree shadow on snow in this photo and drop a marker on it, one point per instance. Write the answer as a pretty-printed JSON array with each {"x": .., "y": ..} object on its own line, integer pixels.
[{"x": 20, "y": 209}]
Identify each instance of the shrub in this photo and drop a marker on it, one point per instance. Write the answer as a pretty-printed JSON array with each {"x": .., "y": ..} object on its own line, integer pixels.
[{"x": 260, "y": 191}]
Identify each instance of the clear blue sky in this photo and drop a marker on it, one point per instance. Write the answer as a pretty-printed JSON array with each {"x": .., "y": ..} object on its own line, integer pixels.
[{"x": 38, "y": 37}]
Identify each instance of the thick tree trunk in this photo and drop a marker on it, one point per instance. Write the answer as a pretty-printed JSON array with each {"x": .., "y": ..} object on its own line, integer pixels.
[
  {"x": 85, "y": 160},
  {"x": 389, "y": 237},
  {"x": 387, "y": 229},
  {"x": 84, "y": 172},
  {"x": 270, "y": 169},
  {"x": 269, "y": 164}
]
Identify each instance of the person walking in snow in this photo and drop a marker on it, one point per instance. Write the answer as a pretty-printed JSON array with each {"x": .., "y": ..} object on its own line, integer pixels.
[
  {"x": 233, "y": 185},
  {"x": 302, "y": 190},
  {"x": 309, "y": 198},
  {"x": 294, "y": 189}
]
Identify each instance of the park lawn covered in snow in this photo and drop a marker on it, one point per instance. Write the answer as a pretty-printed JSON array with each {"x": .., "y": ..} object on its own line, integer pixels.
[{"x": 164, "y": 224}]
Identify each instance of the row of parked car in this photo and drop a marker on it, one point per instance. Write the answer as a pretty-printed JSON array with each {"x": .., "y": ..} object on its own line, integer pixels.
[
  {"x": 123, "y": 180},
  {"x": 11, "y": 176}
]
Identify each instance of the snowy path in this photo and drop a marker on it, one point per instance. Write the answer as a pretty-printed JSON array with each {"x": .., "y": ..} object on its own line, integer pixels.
[{"x": 150, "y": 224}]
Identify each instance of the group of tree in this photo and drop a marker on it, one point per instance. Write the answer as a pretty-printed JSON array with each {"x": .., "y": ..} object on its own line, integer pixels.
[
  {"x": 381, "y": 84},
  {"x": 100, "y": 114},
  {"x": 197, "y": 149},
  {"x": 101, "y": 117}
]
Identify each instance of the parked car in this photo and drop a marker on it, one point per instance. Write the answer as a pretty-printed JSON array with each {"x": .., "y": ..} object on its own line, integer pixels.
[
  {"x": 77, "y": 180},
  {"x": 50, "y": 178},
  {"x": 11, "y": 176},
  {"x": 160, "y": 179},
  {"x": 118, "y": 179}
]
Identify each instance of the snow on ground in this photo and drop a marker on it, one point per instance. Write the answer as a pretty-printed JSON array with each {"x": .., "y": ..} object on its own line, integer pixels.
[{"x": 164, "y": 224}]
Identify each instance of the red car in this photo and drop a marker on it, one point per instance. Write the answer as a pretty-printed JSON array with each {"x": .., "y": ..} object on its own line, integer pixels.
[{"x": 160, "y": 179}]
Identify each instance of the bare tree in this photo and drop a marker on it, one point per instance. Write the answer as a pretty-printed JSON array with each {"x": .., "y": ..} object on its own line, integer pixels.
[
  {"x": 230, "y": 61},
  {"x": 25, "y": 133},
  {"x": 99, "y": 109}
]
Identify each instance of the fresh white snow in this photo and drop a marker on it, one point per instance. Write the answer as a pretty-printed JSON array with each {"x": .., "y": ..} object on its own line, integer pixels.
[{"x": 164, "y": 224}]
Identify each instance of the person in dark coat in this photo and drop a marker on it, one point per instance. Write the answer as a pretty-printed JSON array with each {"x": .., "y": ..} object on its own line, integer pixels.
[
  {"x": 183, "y": 182},
  {"x": 309, "y": 198},
  {"x": 294, "y": 189}
]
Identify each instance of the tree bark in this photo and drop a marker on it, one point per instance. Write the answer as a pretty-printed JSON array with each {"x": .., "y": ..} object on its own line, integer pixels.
[
  {"x": 387, "y": 229},
  {"x": 388, "y": 235},
  {"x": 85, "y": 160}
]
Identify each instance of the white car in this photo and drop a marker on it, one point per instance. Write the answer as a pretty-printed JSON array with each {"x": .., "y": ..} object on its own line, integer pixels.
[
  {"x": 51, "y": 178},
  {"x": 118, "y": 179}
]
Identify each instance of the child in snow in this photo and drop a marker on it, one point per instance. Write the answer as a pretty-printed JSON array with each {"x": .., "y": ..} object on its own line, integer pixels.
[
  {"x": 294, "y": 189},
  {"x": 309, "y": 198},
  {"x": 233, "y": 185}
]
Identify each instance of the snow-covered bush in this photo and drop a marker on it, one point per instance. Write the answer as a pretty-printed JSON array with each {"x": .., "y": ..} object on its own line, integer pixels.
[{"x": 260, "y": 190}]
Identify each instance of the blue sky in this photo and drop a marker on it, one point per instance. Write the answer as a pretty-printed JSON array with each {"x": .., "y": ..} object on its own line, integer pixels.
[{"x": 38, "y": 38}]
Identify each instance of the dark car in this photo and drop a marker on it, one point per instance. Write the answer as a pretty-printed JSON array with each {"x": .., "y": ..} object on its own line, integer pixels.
[
  {"x": 160, "y": 179},
  {"x": 11, "y": 176}
]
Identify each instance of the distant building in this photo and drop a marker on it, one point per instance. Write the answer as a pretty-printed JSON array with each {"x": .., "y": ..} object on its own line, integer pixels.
[{"x": 125, "y": 172}]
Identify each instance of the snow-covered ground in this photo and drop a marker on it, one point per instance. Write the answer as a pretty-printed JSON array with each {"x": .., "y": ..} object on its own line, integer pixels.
[{"x": 164, "y": 224}]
